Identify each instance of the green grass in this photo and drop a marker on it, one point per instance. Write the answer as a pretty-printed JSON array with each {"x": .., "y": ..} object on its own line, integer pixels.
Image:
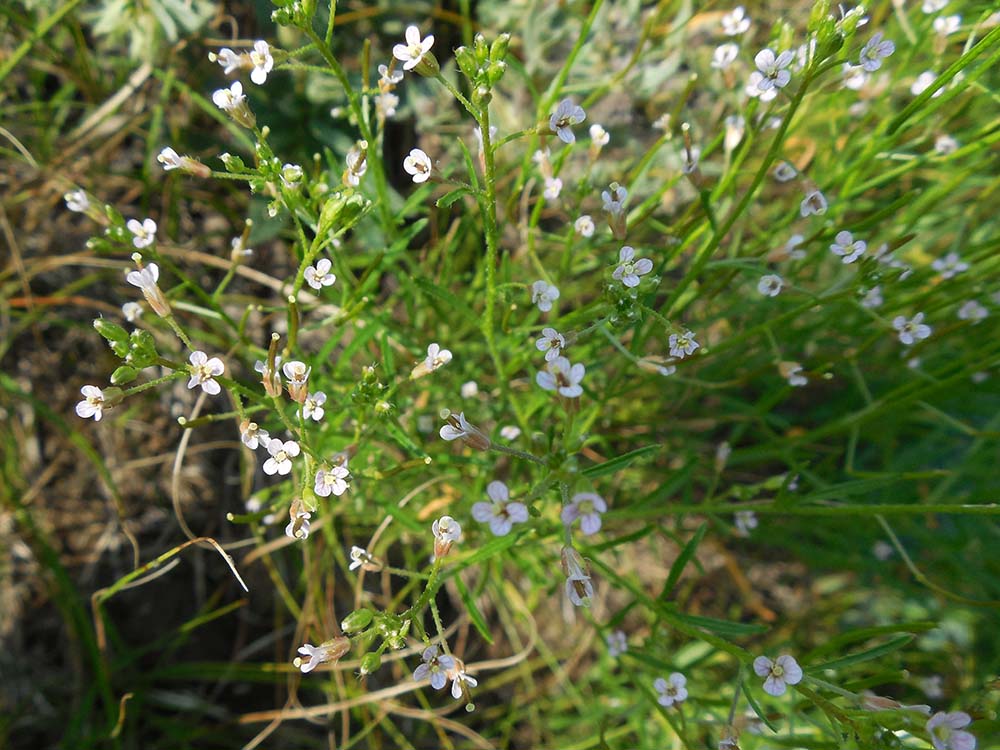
[{"x": 873, "y": 485}]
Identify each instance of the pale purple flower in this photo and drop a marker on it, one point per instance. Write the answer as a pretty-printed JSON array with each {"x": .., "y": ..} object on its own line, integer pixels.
[
  {"x": 945, "y": 145},
  {"x": 772, "y": 74},
  {"x": 946, "y": 25},
  {"x": 92, "y": 404},
  {"x": 544, "y": 295},
  {"x": 778, "y": 673},
  {"x": 253, "y": 435},
  {"x": 260, "y": 57},
  {"x": 144, "y": 234},
  {"x": 785, "y": 172},
  {"x": 814, "y": 204},
  {"x": 282, "y": 454},
  {"x": 553, "y": 186},
  {"x": 614, "y": 199},
  {"x": 579, "y": 587},
  {"x": 501, "y": 514},
  {"x": 446, "y": 531},
  {"x": 458, "y": 428},
  {"x": 411, "y": 53},
  {"x": 617, "y": 643},
  {"x": 973, "y": 311},
  {"x": 792, "y": 372},
  {"x": 950, "y": 265},
  {"x": 745, "y": 521},
  {"x": 359, "y": 558},
  {"x": 947, "y": 731},
  {"x": 551, "y": 342},
  {"x": 682, "y": 344},
  {"x": 567, "y": 115},
  {"x": 671, "y": 691},
  {"x": 848, "y": 248},
  {"x": 911, "y": 331},
  {"x": 588, "y": 507},
  {"x": 874, "y": 51},
  {"x": 629, "y": 269},
  {"x": 872, "y": 298},
  {"x": 923, "y": 82},
  {"x": 332, "y": 481},
  {"x": 204, "y": 371},
  {"x": 461, "y": 682},
  {"x": 312, "y": 407},
  {"x": 724, "y": 55},
  {"x": 329, "y": 651},
  {"x": 387, "y": 79},
  {"x": 770, "y": 285},
  {"x": 559, "y": 375},
  {"x": 319, "y": 276},
  {"x": 510, "y": 432},
  {"x": 584, "y": 226},
  {"x": 434, "y": 666},
  {"x": 735, "y": 22}
]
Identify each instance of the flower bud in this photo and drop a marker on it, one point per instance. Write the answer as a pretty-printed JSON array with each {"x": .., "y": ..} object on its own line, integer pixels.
[
  {"x": 124, "y": 374},
  {"x": 370, "y": 662},
  {"x": 359, "y": 619}
]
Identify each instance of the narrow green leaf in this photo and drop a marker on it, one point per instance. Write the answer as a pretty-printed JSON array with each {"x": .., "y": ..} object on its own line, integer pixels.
[
  {"x": 447, "y": 297},
  {"x": 872, "y": 653},
  {"x": 682, "y": 560},
  {"x": 863, "y": 634},
  {"x": 450, "y": 197},
  {"x": 619, "y": 462},
  {"x": 403, "y": 440},
  {"x": 722, "y": 627},
  {"x": 474, "y": 614},
  {"x": 757, "y": 709}
]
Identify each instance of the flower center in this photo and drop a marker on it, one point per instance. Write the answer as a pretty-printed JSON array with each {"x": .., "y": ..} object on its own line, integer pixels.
[
  {"x": 281, "y": 457},
  {"x": 586, "y": 507},
  {"x": 628, "y": 268},
  {"x": 415, "y": 51},
  {"x": 777, "y": 670}
]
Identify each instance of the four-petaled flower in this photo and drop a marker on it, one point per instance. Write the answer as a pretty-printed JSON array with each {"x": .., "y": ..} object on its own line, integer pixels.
[
  {"x": 312, "y": 407},
  {"x": 253, "y": 435},
  {"x": 92, "y": 404},
  {"x": 435, "y": 666},
  {"x": 682, "y": 344},
  {"x": 501, "y": 514},
  {"x": 746, "y": 521},
  {"x": 947, "y": 731},
  {"x": 418, "y": 165},
  {"x": 911, "y": 331},
  {"x": 282, "y": 454},
  {"x": 584, "y": 226},
  {"x": 874, "y": 51},
  {"x": 298, "y": 527},
  {"x": 579, "y": 587},
  {"x": 413, "y": 52},
  {"x": 588, "y": 507},
  {"x": 559, "y": 375},
  {"x": 848, "y": 248},
  {"x": 629, "y": 269},
  {"x": 724, "y": 55},
  {"x": 360, "y": 558},
  {"x": 770, "y": 285},
  {"x": 735, "y": 22},
  {"x": 544, "y": 294},
  {"x": 204, "y": 371},
  {"x": 77, "y": 200},
  {"x": 814, "y": 204},
  {"x": 617, "y": 643},
  {"x": 325, "y": 652},
  {"x": 460, "y": 681},
  {"x": 950, "y": 265},
  {"x": 228, "y": 59},
  {"x": 388, "y": 78},
  {"x": 778, "y": 673},
  {"x": 945, "y": 25},
  {"x": 170, "y": 159},
  {"x": 319, "y": 276},
  {"x": 332, "y": 481},
  {"x": 551, "y": 342},
  {"x": 446, "y": 531},
  {"x": 771, "y": 74},
  {"x": 671, "y": 691},
  {"x": 567, "y": 115},
  {"x": 260, "y": 57},
  {"x": 229, "y": 100},
  {"x": 972, "y": 310},
  {"x": 599, "y": 136},
  {"x": 298, "y": 376},
  {"x": 144, "y": 234},
  {"x": 145, "y": 279},
  {"x": 553, "y": 186},
  {"x": 458, "y": 428}
]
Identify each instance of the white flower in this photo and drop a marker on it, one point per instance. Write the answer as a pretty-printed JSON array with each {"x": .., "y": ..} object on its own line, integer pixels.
[
  {"x": 436, "y": 357},
  {"x": 911, "y": 331},
  {"x": 434, "y": 666},
  {"x": 771, "y": 74},
  {"x": 923, "y": 82},
  {"x": 769, "y": 285},
  {"x": 813, "y": 204},
  {"x": 544, "y": 294},
  {"x": 357, "y": 163},
  {"x": 947, "y": 731},
  {"x": 804, "y": 54},
  {"x": 282, "y": 454},
  {"x": 229, "y": 100},
  {"x": 228, "y": 59},
  {"x": 560, "y": 376},
  {"x": 945, "y": 25},
  {"x": 144, "y": 278},
  {"x": 387, "y": 79},
  {"x": 170, "y": 159},
  {"x": 252, "y": 435},
  {"x": 203, "y": 371},
  {"x": 459, "y": 682},
  {"x": 875, "y": 51},
  {"x": 510, "y": 432},
  {"x": 779, "y": 673},
  {"x": 567, "y": 115},
  {"x": 359, "y": 558},
  {"x": 724, "y": 55},
  {"x": 319, "y": 276},
  {"x": 736, "y": 126},
  {"x": 144, "y": 234},
  {"x": 792, "y": 372},
  {"x": 854, "y": 77},
  {"x": 735, "y": 22},
  {"x": 312, "y": 407},
  {"x": 385, "y": 104},
  {"x": 418, "y": 165},
  {"x": 973, "y": 311},
  {"x": 551, "y": 342},
  {"x": 950, "y": 265},
  {"x": 848, "y": 248},
  {"x": 584, "y": 226},
  {"x": 446, "y": 532},
  {"x": 932, "y": 686},
  {"x": 617, "y": 643},
  {"x": 501, "y": 514},
  {"x": 746, "y": 521},
  {"x": 872, "y": 298},
  {"x": 332, "y": 481},
  {"x": 784, "y": 172},
  {"x": 458, "y": 428},
  {"x": 599, "y": 136},
  {"x": 262, "y": 61},
  {"x": 298, "y": 376},
  {"x": 933, "y": 6},
  {"x": 411, "y": 53},
  {"x": 298, "y": 527},
  {"x": 945, "y": 144},
  {"x": 588, "y": 507},
  {"x": 92, "y": 404},
  {"x": 682, "y": 344},
  {"x": 629, "y": 270},
  {"x": 329, "y": 651},
  {"x": 469, "y": 389},
  {"x": 579, "y": 588},
  {"x": 672, "y": 691},
  {"x": 77, "y": 200},
  {"x": 553, "y": 186},
  {"x": 132, "y": 311}
]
